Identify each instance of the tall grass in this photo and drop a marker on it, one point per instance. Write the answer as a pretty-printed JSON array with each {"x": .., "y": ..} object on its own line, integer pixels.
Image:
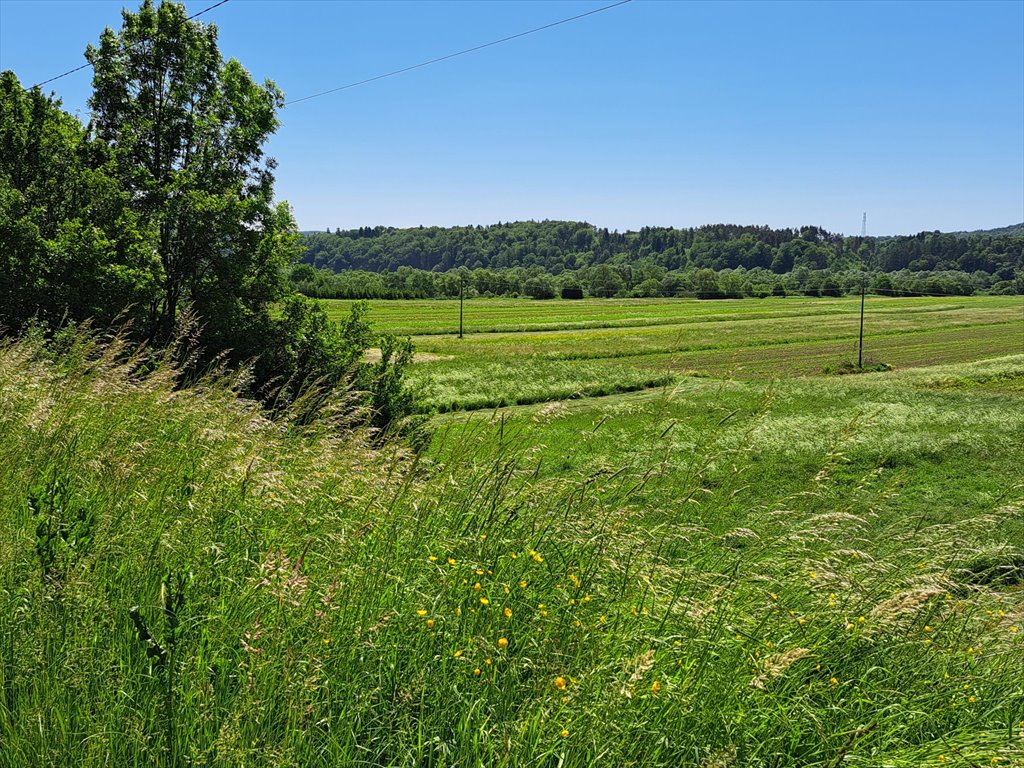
[{"x": 301, "y": 599}]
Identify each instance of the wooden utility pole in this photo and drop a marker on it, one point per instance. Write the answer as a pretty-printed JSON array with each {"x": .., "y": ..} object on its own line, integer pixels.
[
  {"x": 860, "y": 345},
  {"x": 462, "y": 292}
]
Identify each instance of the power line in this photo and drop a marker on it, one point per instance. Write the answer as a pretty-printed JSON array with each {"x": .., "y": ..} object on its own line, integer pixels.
[
  {"x": 87, "y": 64},
  {"x": 457, "y": 53}
]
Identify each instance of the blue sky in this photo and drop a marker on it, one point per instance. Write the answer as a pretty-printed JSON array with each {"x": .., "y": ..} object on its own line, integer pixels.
[{"x": 652, "y": 113}]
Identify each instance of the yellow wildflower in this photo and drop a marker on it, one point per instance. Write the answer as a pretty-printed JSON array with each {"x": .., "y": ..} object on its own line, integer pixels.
[
  {"x": 452, "y": 561},
  {"x": 458, "y": 653},
  {"x": 565, "y": 733},
  {"x": 508, "y": 612},
  {"x": 503, "y": 642},
  {"x": 432, "y": 558},
  {"x": 477, "y": 586},
  {"x": 655, "y": 687},
  {"x": 560, "y": 683},
  {"x": 476, "y": 672},
  {"x": 421, "y": 612},
  {"x": 430, "y": 623},
  {"x": 484, "y": 601},
  {"x": 535, "y": 555}
]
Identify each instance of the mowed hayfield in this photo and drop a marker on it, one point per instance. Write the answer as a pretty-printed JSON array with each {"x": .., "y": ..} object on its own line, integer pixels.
[{"x": 519, "y": 351}]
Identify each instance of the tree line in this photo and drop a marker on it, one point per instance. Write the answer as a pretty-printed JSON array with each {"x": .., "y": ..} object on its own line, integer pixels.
[{"x": 544, "y": 259}]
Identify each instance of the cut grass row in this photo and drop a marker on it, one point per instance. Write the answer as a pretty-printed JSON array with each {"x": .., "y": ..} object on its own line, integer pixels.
[
  {"x": 721, "y": 339},
  {"x": 441, "y": 316}
]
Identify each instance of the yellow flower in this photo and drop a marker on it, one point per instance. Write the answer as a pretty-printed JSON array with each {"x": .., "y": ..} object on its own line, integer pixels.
[
  {"x": 476, "y": 672},
  {"x": 430, "y": 623},
  {"x": 565, "y": 733},
  {"x": 458, "y": 653},
  {"x": 813, "y": 575},
  {"x": 477, "y": 586},
  {"x": 479, "y": 571},
  {"x": 971, "y": 699},
  {"x": 535, "y": 555},
  {"x": 655, "y": 687},
  {"x": 927, "y": 628},
  {"x": 452, "y": 561},
  {"x": 484, "y": 601},
  {"x": 560, "y": 683},
  {"x": 421, "y": 612},
  {"x": 1013, "y": 629},
  {"x": 774, "y": 596},
  {"x": 503, "y": 642},
  {"x": 834, "y": 682},
  {"x": 483, "y": 536},
  {"x": 432, "y": 558},
  {"x": 487, "y": 662},
  {"x": 513, "y": 555},
  {"x": 522, "y": 584},
  {"x": 458, "y": 611},
  {"x": 507, "y": 612},
  {"x": 574, "y": 579},
  {"x": 861, "y": 619}
]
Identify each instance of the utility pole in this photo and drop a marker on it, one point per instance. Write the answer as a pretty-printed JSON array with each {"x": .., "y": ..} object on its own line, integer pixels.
[
  {"x": 863, "y": 278},
  {"x": 860, "y": 345},
  {"x": 462, "y": 292}
]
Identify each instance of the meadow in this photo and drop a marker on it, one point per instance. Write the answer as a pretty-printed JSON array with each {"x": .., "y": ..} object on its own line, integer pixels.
[
  {"x": 523, "y": 351},
  {"x": 743, "y": 562}
]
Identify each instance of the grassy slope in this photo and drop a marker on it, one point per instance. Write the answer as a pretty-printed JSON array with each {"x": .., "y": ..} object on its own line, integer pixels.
[{"x": 798, "y": 573}]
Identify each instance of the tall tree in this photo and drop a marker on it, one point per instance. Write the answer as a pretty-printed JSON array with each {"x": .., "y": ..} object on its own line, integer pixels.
[{"x": 187, "y": 130}]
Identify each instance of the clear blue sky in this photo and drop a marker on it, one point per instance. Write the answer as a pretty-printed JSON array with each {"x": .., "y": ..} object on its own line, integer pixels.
[{"x": 654, "y": 113}]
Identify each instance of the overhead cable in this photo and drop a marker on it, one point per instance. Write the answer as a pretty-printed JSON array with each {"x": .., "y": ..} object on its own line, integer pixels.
[
  {"x": 457, "y": 53},
  {"x": 87, "y": 64}
]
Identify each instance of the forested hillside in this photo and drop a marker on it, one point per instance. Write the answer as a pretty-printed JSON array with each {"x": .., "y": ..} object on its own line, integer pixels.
[{"x": 743, "y": 260}]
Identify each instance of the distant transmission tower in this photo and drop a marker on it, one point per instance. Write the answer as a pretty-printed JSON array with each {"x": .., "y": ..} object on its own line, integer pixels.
[{"x": 864, "y": 225}]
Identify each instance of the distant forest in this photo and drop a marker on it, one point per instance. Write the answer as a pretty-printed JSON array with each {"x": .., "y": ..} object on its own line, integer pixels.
[{"x": 549, "y": 258}]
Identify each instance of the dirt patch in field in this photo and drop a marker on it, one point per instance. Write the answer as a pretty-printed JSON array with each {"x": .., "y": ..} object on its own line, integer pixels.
[{"x": 373, "y": 356}]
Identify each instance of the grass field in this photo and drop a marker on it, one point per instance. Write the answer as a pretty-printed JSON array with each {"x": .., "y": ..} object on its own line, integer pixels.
[
  {"x": 757, "y": 566},
  {"x": 522, "y": 351}
]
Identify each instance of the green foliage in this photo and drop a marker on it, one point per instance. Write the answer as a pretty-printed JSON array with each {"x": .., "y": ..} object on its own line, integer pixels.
[
  {"x": 72, "y": 245},
  {"x": 379, "y": 262},
  {"x": 162, "y": 215}
]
